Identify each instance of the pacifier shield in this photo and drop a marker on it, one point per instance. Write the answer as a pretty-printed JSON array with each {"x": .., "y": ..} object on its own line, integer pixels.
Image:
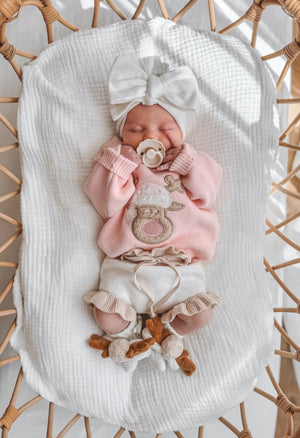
[{"x": 152, "y": 152}]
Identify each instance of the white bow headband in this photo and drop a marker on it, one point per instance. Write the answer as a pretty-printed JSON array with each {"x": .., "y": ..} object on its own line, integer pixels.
[{"x": 128, "y": 84}]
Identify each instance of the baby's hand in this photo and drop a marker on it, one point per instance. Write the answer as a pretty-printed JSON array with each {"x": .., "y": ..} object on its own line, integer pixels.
[
  {"x": 129, "y": 153},
  {"x": 171, "y": 154}
]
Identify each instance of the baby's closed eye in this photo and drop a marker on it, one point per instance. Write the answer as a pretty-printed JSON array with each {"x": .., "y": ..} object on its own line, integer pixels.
[
  {"x": 136, "y": 130},
  {"x": 166, "y": 128}
]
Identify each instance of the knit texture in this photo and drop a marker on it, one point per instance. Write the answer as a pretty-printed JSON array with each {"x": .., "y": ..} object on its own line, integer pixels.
[
  {"x": 63, "y": 118},
  {"x": 179, "y": 208}
]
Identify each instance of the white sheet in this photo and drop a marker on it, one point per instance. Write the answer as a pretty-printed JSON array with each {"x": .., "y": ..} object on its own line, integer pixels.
[{"x": 62, "y": 121}]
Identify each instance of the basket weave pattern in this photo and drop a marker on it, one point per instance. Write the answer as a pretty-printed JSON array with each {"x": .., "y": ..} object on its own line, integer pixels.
[{"x": 9, "y": 11}]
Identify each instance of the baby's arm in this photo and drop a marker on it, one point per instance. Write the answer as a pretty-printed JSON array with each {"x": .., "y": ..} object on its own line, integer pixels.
[
  {"x": 110, "y": 184},
  {"x": 201, "y": 175}
]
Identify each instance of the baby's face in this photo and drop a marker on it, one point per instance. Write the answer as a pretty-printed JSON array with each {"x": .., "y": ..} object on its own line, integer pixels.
[{"x": 151, "y": 121}]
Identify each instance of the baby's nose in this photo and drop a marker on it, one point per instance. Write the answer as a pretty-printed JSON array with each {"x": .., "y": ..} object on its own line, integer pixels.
[{"x": 152, "y": 133}]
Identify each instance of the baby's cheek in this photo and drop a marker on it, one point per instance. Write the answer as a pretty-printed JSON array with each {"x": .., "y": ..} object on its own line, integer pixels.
[
  {"x": 168, "y": 142},
  {"x": 175, "y": 139},
  {"x": 132, "y": 141}
]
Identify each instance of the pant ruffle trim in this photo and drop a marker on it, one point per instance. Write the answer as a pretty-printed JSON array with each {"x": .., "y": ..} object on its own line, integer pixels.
[
  {"x": 192, "y": 305},
  {"x": 110, "y": 303}
]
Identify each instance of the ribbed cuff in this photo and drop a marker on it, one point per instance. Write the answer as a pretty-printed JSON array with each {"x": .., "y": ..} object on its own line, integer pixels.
[
  {"x": 184, "y": 161},
  {"x": 116, "y": 163}
]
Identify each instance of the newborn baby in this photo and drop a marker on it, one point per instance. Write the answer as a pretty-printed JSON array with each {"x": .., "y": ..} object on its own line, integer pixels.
[{"x": 160, "y": 226}]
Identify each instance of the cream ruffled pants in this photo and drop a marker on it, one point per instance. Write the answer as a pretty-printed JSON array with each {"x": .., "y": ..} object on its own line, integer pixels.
[{"x": 161, "y": 281}]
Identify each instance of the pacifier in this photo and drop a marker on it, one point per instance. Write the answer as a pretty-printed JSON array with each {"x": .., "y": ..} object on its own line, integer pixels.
[{"x": 152, "y": 152}]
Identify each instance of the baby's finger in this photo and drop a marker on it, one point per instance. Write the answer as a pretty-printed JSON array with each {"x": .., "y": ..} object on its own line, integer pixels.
[
  {"x": 163, "y": 166},
  {"x": 168, "y": 158},
  {"x": 175, "y": 150},
  {"x": 172, "y": 153}
]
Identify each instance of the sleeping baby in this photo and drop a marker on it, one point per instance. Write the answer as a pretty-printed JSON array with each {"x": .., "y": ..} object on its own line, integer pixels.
[{"x": 156, "y": 194}]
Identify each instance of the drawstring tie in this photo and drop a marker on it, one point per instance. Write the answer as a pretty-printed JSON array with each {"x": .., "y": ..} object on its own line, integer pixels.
[{"x": 169, "y": 258}]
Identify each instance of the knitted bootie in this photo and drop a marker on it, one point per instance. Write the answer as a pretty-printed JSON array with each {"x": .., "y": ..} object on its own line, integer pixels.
[
  {"x": 174, "y": 352},
  {"x": 124, "y": 347}
]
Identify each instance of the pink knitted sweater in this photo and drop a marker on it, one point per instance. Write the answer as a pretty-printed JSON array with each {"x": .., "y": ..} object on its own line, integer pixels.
[{"x": 146, "y": 208}]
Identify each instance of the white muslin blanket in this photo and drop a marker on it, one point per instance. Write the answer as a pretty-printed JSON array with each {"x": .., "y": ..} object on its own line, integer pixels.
[{"x": 63, "y": 119}]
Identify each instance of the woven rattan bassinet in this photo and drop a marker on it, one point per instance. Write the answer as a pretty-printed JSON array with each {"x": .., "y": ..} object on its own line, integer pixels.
[{"x": 288, "y": 403}]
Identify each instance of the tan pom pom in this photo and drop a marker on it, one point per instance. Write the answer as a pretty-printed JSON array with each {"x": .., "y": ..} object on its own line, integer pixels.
[
  {"x": 171, "y": 347},
  {"x": 117, "y": 350}
]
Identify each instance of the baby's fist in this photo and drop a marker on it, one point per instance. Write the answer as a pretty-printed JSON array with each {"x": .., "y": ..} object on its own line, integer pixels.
[{"x": 170, "y": 156}]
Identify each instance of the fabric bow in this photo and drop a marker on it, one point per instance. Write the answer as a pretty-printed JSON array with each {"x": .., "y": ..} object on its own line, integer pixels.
[
  {"x": 159, "y": 256},
  {"x": 129, "y": 85}
]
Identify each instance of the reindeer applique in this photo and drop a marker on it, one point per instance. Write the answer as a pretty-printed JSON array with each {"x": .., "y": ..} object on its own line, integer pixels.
[{"x": 152, "y": 203}]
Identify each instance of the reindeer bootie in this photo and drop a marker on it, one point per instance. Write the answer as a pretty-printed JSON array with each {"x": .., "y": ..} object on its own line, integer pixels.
[
  {"x": 126, "y": 348},
  {"x": 170, "y": 344}
]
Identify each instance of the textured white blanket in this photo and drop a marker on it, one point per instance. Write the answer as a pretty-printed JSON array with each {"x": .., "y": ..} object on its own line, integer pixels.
[{"x": 63, "y": 119}]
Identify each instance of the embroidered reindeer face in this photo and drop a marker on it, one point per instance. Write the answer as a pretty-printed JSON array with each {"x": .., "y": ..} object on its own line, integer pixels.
[
  {"x": 149, "y": 212},
  {"x": 152, "y": 203}
]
